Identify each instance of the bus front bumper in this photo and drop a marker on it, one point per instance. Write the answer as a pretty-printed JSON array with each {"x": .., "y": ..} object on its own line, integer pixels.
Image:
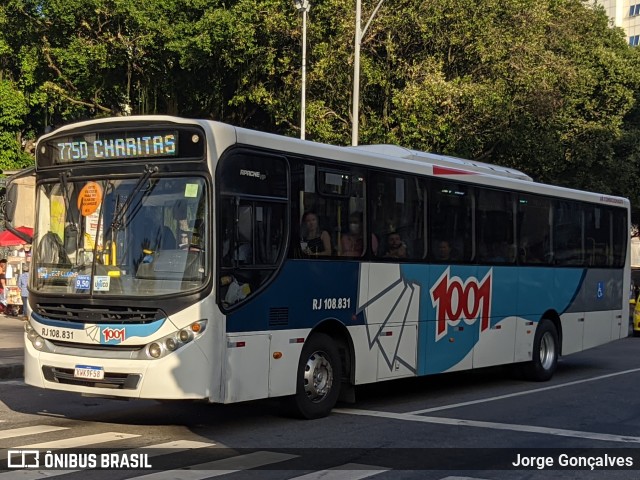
[{"x": 185, "y": 374}]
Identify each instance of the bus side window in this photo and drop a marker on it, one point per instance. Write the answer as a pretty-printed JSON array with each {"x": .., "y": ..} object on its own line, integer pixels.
[
  {"x": 397, "y": 210},
  {"x": 243, "y": 248},
  {"x": 252, "y": 242}
]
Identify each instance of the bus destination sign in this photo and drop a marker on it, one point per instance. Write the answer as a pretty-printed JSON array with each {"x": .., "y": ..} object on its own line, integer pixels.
[{"x": 95, "y": 147}]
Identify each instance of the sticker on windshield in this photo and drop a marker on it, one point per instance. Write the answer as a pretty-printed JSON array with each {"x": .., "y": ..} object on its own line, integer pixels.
[
  {"x": 83, "y": 282},
  {"x": 191, "y": 190},
  {"x": 89, "y": 198},
  {"x": 101, "y": 283}
]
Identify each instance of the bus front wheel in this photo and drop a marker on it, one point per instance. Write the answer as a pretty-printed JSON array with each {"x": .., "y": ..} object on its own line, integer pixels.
[
  {"x": 318, "y": 378},
  {"x": 546, "y": 348}
]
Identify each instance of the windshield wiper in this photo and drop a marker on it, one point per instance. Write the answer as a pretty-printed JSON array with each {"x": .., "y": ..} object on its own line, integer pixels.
[
  {"x": 116, "y": 224},
  {"x": 65, "y": 189},
  {"x": 72, "y": 229}
]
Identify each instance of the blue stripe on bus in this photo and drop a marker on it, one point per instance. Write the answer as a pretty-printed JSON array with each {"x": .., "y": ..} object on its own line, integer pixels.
[
  {"x": 308, "y": 289},
  {"x": 130, "y": 329},
  {"x": 296, "y": 287}
]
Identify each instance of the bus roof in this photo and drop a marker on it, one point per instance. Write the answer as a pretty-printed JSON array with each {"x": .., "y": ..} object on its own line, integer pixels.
[
  {"x": 226, "y": 135},
  {"x": 445, "y": 161},
  {"x": 413, "y": 161}
]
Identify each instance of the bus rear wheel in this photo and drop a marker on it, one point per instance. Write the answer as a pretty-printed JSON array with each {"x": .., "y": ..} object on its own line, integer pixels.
[
  {"x": 318, "y": 378},
  {"x": 546, "y": 348}
]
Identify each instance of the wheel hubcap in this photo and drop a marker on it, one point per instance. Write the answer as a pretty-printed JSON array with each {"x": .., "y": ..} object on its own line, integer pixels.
[
  {"x": 547, "y": 351},
  {"x": 318, "y": 377}
]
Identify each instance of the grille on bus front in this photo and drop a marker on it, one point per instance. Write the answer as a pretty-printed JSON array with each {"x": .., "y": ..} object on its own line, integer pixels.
[{"x": 84, "y": 314}]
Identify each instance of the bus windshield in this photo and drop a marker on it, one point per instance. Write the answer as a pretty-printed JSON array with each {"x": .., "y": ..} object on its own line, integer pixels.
[{"x": 140, "y": 236}]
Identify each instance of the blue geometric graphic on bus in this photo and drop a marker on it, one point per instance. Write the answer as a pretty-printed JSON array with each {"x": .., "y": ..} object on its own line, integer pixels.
[{"x": 454, "y": 305}]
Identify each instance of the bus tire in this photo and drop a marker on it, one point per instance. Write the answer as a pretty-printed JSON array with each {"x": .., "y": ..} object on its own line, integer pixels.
[
  {"x": 546, "y": 348},
  {"x": 318, "y": 378}
]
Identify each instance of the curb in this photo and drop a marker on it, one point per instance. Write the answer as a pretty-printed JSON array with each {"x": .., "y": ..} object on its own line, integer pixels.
[{"x": 11, "y": 371}]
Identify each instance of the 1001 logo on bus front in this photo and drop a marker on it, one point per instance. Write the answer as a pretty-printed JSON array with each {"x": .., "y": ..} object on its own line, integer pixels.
[{"x": 455, "y": 300}]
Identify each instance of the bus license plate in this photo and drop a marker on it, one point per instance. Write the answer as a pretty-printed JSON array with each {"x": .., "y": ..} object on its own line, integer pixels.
[{"x": 89, "y": 371}]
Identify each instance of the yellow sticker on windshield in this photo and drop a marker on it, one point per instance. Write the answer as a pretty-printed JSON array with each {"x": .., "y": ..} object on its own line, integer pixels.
[{"x": 191, "y": 190}]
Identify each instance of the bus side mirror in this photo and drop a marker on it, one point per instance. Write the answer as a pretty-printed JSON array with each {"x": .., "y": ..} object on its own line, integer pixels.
[
  {"x": 10, "y": 201},
  {"x": 12, "y": 193}
]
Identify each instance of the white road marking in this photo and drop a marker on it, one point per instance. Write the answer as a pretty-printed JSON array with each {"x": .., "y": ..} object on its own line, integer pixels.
[
  {"x": 176, "y": 446},
  {"x": 19, "y": 383},
  {"x": 83, "y": 441},
  {"x": 518, "y": 394},
  {"x": 349, "y": 471},
  {"x": 24, "y": 431},
  {"x": 461, "y": 478},
  {"x": 492, "y": 425},
  {"x": 218, "y": 468}
]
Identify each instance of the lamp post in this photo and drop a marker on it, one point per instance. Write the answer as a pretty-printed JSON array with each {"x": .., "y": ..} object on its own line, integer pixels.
[
  {"x": 356, "y": 67},
  {"x": 303, "y": 7}
]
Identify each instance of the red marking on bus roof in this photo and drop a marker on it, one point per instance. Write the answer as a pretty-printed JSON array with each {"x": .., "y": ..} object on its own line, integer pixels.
[{"x": 437, "y": 170}]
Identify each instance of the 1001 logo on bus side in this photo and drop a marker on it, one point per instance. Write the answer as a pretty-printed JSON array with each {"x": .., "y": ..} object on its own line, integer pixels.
[{"x": 455, "y": 300}]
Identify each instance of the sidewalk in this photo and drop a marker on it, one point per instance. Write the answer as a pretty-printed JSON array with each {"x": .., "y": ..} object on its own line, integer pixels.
[{"x": 11, "y": 347}]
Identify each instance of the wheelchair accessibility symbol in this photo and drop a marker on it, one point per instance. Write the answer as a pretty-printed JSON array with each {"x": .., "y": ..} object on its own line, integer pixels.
[{"x": 600, "y": 292}]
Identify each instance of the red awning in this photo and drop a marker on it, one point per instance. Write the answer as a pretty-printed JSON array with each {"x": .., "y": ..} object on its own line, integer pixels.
[{"x": 8, "y": 239}]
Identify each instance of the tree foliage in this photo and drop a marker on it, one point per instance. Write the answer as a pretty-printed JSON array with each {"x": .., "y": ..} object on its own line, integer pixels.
[{"x": 546, "y": 86}]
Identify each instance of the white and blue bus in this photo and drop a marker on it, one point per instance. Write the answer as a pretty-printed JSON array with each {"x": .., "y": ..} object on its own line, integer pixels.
[{"x": 188, "y": 259}]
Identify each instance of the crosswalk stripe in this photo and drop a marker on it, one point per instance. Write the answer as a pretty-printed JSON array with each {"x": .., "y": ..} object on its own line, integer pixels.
[
  {"x": 83, "y": 441},
  {"x": 461, "y": 478},
  {"x": 218, "y": 468},
  {"x": 73, "y": 442},
  {"x": 24, "y": 431},
  {"x": 175, "y": 446},
  {"x": 349, "y": 471}
]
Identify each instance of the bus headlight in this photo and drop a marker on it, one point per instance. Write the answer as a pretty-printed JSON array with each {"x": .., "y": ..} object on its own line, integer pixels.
[
  {"x": 172, "y": 342},
  {"x": 32, "y": 335},
  {"x": 38, "y": 343},
  {"x": 155, "y": 350},
  {"x": 184, "y": 336}
]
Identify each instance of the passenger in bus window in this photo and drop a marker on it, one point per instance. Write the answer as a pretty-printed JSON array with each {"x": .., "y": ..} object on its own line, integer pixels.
[
  {"x": 3, "y": 284},
  {"x": 352, "y": 242},
  {"x": 443, "y": 251},
  {"x": 396, "y": 248},
  {"x": 531, "y": 253},
  {"x": 314, "y": 240},
  {"x": 503, "y": 252}
]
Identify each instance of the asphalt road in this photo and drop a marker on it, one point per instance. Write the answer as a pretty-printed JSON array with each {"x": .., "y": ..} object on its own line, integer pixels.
[{"x": 462, "y": 425}]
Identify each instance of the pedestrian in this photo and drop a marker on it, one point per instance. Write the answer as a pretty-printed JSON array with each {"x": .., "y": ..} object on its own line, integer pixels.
[
  {"x": 3, "y": 284},
  {"x": 23, "y": 283}
]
